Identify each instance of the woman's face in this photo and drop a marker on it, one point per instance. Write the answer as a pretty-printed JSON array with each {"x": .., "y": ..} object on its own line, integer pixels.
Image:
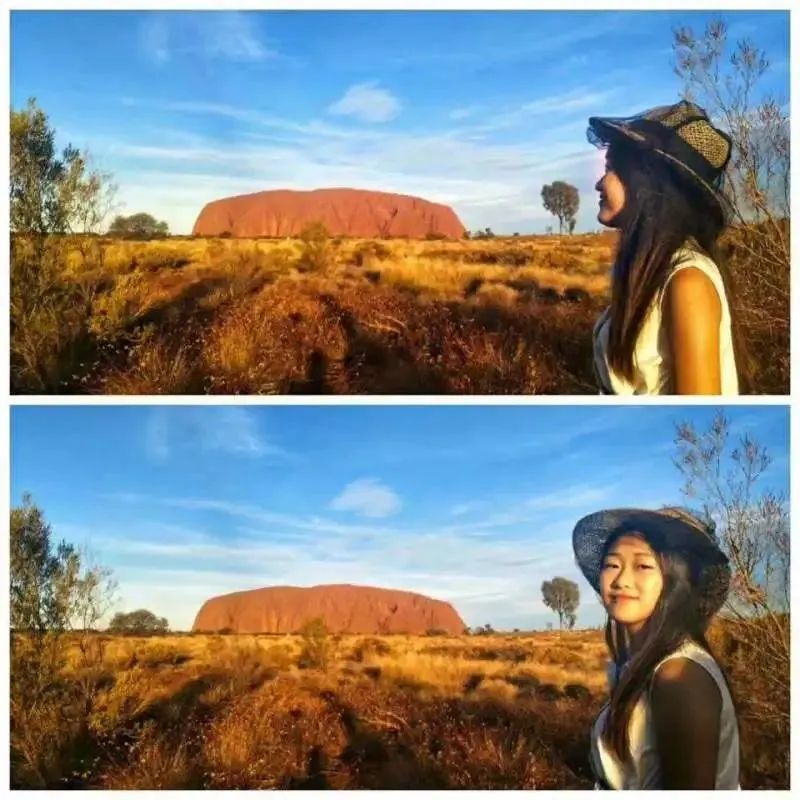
[
  {"x": 630, "y": 581},
  {"x": 612, "y": 195}
]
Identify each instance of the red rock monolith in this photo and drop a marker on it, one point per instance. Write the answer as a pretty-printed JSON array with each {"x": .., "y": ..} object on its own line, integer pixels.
[
  {"x": 343, "y": 607},
  {"x": 345, "y": 212}
]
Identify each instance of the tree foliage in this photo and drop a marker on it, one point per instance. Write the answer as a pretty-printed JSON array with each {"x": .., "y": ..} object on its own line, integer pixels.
[
  {"x": 138, "y": 226},
  {"x": 57, "y": 598},
  {"x": 52, "y": 589},
  {"x": 562, "y": 596},
  {"x": 138, "y": 623},
  {"x": 561, "y": 200},
  {"x": 52, "y": 192}
]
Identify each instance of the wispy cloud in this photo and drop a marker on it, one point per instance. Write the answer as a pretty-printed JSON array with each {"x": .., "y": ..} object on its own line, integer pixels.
[
  {"x": 464, "y": 112},
  {"x": 367, "y": 497},
  {"x": 486, "y": 179},
  {"x": 226, "y": 429},
  {"x": 368, "y": 103},
  {"x": 155, "y": 38},
  {"x": 157, "y": 437},
  {"x": 221, "y": 35}
]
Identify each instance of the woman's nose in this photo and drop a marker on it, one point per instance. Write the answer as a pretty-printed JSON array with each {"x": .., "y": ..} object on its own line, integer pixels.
[
  {"x": 622, "y": 578},
  {"x": 599, "y": 185}
]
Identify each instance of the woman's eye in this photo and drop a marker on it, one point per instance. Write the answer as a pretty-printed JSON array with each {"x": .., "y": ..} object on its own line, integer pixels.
[{"x": 645, "y": 566}]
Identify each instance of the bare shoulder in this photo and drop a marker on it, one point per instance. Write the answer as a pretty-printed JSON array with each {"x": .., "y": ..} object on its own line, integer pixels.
[
  {"x": 691, "y": 299},
  {"x": 692, "y": 284},
  {"x": 683, "y": 681}
]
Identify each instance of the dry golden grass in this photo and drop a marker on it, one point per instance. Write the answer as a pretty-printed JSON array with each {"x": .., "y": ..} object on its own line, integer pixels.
[
  {"x": 272, "y": 316},
  {"x": 241, "y": 711},
  {"x": 498, "y": 316}
]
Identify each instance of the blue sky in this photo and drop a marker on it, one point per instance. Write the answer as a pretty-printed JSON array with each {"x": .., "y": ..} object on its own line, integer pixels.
[
  {"x": 474, "y": 109},
  {"x": 474, "y": 505}
]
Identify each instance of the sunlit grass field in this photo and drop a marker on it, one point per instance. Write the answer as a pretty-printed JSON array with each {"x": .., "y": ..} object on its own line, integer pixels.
[
  {"x": 495, "y": 711},
  {"x": 331, "y": 315}
]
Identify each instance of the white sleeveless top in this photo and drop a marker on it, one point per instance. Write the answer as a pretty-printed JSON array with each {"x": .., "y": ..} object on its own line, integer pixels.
[
  {"x": 652, "y": 356},
  {"x": 643, "y": 771}
]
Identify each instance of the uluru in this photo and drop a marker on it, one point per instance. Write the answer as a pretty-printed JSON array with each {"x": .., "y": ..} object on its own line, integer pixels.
[
  {"x": 344, "y": 608},
  {"x": 359, "y": 213}
]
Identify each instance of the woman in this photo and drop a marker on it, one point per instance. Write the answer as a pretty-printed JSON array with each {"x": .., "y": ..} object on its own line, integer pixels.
[
  {"x": 670, "y": 327},
  {"x": 670, "y": 722}
]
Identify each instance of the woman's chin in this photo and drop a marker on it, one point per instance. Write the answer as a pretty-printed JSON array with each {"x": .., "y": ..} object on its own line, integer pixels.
[
  {"x": 626, "y": 619},
  {"x": 606, "y": 218}
]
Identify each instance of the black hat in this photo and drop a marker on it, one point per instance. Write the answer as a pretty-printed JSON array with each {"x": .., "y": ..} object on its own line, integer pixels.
[{"x": 681, "y": 134}]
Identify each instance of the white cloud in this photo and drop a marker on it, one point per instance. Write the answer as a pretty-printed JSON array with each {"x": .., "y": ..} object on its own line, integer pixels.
[
  {"x": 464, "y": 112},
  {"x": 368, "y": 103},
  {"x": 155, "y": 38},
  {"x": 233, "y": 35},
  {"x": 367, "y": 497},
  {"x": 487, "y": 182},
  {"x": 226, "y": 35},
  {"x": 232, "y": 430},
  {"x": 226, "y": 429},
  {"x": 156, "y": 436}
]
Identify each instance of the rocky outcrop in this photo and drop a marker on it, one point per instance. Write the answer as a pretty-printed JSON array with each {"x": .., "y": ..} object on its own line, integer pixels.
[
  {"x": 346, "y": 212},
  {"x": 343, "y": 607}
]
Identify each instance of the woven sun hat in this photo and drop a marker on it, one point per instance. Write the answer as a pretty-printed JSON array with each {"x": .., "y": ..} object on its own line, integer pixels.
[
  {"x": 681, "y": 134},
  {"x": 665, "y": 529}
]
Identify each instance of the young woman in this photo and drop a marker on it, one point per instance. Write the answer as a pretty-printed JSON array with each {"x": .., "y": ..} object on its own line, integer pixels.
[
  {"x": 670, "y": 328},
  {"x": 670, "y": 722}
]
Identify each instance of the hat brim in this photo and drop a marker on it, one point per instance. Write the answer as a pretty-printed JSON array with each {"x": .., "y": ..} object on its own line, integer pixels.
[
  {"x": 606, "y": 130},
  {"x": 591, "y": 533}
]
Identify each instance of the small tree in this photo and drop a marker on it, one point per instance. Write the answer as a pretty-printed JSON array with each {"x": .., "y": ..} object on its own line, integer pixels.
[
  {"x": 138, "y": 623},
  {"x": 138, "y": 226},
  {"x": 54, "y": 591},
  {"x": 561, "y": 200},
  {"x": 562, "y": 596},
  {"x": 51, "y": 192}
]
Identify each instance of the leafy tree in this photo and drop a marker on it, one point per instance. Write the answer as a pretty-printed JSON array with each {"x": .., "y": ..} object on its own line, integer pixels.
[
  {"x": 138, "y": 226},
  {"x": 52, "y": 192},
  {"x": 138, "y": 623},
  {"x": 562, "y": 596},
  {"x": 561, "y": 200},
  {"x": 54, "y": 590}
]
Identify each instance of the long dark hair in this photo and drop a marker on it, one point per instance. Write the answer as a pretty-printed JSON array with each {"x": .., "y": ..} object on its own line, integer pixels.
[
  {"x": 663, "y": 210},
  {"x": 675, "y": 618}
]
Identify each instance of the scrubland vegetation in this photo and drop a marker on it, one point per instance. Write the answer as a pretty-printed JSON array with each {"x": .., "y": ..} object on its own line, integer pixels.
[
  {"x": 261, "y": 711},
  {"x": 321, "y": 315}
]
